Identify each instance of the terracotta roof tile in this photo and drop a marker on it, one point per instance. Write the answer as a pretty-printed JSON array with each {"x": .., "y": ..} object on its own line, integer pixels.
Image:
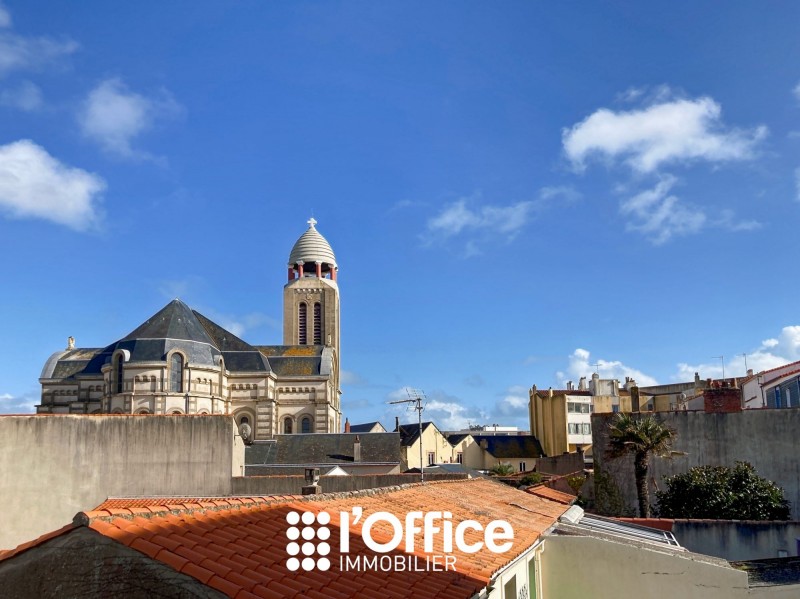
[
  {"x": 548, "y": 493},
  {"x": 239, "y": 547},
  {"x": 9, "y": 553}
]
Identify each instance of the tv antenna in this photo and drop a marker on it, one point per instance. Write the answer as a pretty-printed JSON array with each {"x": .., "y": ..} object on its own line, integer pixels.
[{"x": 416, "y": 397}]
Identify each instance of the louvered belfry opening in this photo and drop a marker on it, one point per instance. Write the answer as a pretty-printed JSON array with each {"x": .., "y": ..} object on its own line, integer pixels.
[
  {"x": 302, "y": 323},
  {"x": 317, "y": 324}
]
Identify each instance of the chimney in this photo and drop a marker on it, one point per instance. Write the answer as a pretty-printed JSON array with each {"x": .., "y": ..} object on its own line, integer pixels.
[
  {"x": 749, "y": 372},
  {"x": 397, "y": 424},
  {"x": 570, "y": 386},
  {"x": 582, "y": 384},
  {"x": 550, "y": 393},
  {"x": 635, "y": 401},
  {"x": 357, "y": 450},
  {"x": 347, "y": 425}
]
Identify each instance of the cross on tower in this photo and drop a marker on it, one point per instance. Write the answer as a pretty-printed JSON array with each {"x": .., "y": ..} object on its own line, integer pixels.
[{"x": 311, "y": 222}]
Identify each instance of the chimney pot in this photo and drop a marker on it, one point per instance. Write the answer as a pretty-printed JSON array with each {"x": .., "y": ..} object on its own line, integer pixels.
[{"x": 347, "y": 425}]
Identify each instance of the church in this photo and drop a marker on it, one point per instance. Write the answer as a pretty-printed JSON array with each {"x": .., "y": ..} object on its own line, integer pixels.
[{"x": 180, "y": 362}]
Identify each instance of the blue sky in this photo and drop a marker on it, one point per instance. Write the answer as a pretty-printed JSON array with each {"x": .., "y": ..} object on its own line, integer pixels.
[{"x": 517, "y": 193}]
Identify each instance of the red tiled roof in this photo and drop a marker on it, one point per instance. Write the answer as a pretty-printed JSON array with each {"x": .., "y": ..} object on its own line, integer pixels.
[
  {"x": 551, "y": 494},
  {"x": 659, "y": 523},
  {"x": 238, "y": 545},
  {"x": 175, "y": 502}
]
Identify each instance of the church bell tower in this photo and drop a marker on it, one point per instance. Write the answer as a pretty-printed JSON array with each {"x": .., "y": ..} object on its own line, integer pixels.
[{"x": 311, "y": 297}]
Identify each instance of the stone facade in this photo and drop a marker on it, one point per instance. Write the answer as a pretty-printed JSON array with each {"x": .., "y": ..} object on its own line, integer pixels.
[{"x": 180, "y": 362}]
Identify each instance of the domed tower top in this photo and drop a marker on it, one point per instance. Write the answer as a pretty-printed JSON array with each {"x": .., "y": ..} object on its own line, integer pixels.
[{"x": 312, "y": 255}]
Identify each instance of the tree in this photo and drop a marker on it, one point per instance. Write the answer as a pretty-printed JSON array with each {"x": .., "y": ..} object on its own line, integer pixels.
[
  {"x": 502, "y": 469},
  {"x": 722, "y": 493},
  {"x": 640, "y": 436}
]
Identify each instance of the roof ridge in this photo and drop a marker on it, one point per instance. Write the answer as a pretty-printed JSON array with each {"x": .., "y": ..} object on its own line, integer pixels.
[{"x": 85, "y": 518}]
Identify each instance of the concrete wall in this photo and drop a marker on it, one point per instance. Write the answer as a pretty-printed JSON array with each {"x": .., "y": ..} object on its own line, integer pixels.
[
  {"x": 766, "y": 438},
  {"x": 738, "y": 540},
  {"x": 52, "y": 467},
  {"x": 291, "y": 485},
  {"x": 575, "y": 567}
]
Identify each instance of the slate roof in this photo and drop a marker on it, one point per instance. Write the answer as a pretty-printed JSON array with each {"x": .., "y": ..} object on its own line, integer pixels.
[
  {"x": 176, "y": 326},
  {"x": 409, "y": 433},
  {"x": 364, "y": 428},
  {"x": 239, "y": 546},
  {"x": 324, "y": 448},
  {"x": 511, "y": 446}
]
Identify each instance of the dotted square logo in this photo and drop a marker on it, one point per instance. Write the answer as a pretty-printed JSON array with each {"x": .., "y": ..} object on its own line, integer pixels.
[{"x": 308, "y": 534}]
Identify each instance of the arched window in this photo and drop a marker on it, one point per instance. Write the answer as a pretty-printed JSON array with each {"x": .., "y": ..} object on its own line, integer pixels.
[
  {"x": 317, "y": 324},
  {"x": 118, "y": 382},
  {"x": 305, "y": 425},
  {"x": 287, "y": 426},
  {"x": 301, "y": 322},
  {"x": 176, "y": 373}
]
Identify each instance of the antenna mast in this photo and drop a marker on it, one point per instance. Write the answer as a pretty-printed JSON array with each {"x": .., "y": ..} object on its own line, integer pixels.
[{"x": 416, "y": 396}]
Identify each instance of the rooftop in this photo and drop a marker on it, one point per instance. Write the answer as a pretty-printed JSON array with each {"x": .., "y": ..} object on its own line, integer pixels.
[{"x": 239, "y": 545}]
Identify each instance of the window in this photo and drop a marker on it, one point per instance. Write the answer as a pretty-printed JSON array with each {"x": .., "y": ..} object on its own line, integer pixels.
[
  {"x": 778, "y": 397},
  {"x": 118, "y": 382},
  {"x": 510, "y": 589},
  {"x": 460, "y": 457},
  {"x": 305, "y": 425},
  {"x": 579, "y": 428},
  {"x": 176, "y": 373},
  {"x": 317, "y": 324},
  {"x": 522, "y": 466},
  {"x": 615, "y": 408},
  {"x": 574, "y": 407},
  {"x": 532, "y": 577},
  {"x": 287, "y": 426},
  {"x": 788, "y": 398},
  {"x": 431, "y": 458},
  {"x": 301, "y": 323}
]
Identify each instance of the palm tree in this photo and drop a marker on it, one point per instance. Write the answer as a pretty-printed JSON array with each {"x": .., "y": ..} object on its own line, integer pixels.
[{"x": 640, "y": 436}]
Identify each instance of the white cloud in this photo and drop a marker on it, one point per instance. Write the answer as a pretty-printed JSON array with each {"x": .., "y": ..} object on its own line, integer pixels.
[
  {"x": 114, "y": 116},
  {"x": 581, "y": 364},
  {"x": 458, "y": 217},
  {"x": 668, "y": 132},
  {"x": 446, "y": 411},
  {"x": 481, "y": 224},
  {"x": 514, "y": 403},
  {"x": 33, "y": 184},
  {"x": 659, "y": 215},
  {"x": 20, "y": 53},
  {"x": 770, "y": 353},
  {"x": 26, "y": 96},
  {"x": 5, "y": 17},
  {"x": 796, "y": 91},
  {"x": 23, "y": 404}
]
